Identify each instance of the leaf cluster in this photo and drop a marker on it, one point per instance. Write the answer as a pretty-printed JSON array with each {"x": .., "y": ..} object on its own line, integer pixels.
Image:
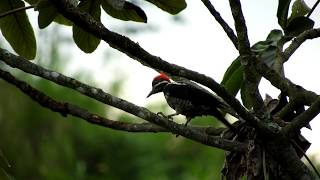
[{"x": 18, "y": 31}]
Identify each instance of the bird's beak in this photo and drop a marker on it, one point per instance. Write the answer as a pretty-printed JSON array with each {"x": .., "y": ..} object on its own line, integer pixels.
[{"x": 151, "y": 92}]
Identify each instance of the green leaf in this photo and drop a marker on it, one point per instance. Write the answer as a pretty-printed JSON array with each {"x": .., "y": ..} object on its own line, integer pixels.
[
  {"x": 275, "y": 35},
  {"x": 84, "y": 40},
  {"x": 125, "y": 11},
  {"x": 233, "y": 77},
  {"x": 171, "y": 6},
  {"x": 299, "y": 25},
  {"x": 47, "y": 13},
  {"x": 282, "y": 12},
  {"x": 245, "y": 97},
  {"x": 265, "y": 50},
  {"x": 299, "y": 8},
  {"x": 17, "y": 29},
  {"x": 62, "y": 20}
]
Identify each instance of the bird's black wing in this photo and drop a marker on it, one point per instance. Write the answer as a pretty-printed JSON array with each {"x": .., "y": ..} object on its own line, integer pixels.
[{"x": 196, "y": 95}]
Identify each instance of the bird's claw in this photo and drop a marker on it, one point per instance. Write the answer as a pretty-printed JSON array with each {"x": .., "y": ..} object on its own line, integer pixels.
[{"x": 163, "y": 115}]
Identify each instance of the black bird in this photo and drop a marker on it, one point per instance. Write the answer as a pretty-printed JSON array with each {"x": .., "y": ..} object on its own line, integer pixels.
[{"x": 188, "y": 99}]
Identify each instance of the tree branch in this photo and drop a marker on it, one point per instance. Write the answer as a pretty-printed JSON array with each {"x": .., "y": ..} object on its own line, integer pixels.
[
  {"x": 15, "y": 10},
  {"x": 251, "y": 77},
  {"x": 65, "y": 108},
  {"x": 133, "y": 50},
  {"x": 282, "y": 151},
  {"x": 241, "y": 28},
  {"x": 303, "y": 119},
  {"x": 98, "y": 94},
  {"x": 285, "y": 85},
  {"x": 313, "y": 8},
  {"x": 295, "y": 44},
  {"x": 222, "y": 23}
]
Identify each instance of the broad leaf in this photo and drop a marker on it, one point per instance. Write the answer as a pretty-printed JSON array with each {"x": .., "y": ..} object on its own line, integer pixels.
[
  {"x": 274, "y": 36},
  {"x": 62, "y": 20},
  {"x": 264, "y": 50},
  {"x": 47, "y": 13},
  {"x": 171, "y": 6},
  {"x": 282, "y": 12},
  {"x": 125, "y": 11},
  {"x": 84, "y": 40},
  {"x": 17, "y": 29},
  {"x": 245, "y": 96},
  {"x": 233, "y": 77},
  {"x": 299, "y": 8},
  {"x": 299, "y": 25}
]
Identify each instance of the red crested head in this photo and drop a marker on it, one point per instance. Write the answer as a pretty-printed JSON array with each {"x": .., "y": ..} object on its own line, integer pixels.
[
  {"x": 158, "y": 83},
  {"x": 162, "y": 77}
]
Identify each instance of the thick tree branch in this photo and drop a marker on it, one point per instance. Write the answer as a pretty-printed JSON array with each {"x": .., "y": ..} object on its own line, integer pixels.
[
  {"x": 241, "y": 28},
  {"x": 251, "y": 77},
  {"x": 222, "y": 23},
  {"x": 285, "y": 85},
  {"x": 287, "y": 109},
  {"x": 295, "y": 44},
  {"x": 283, "y": 152},
  {"x": 303, "y": 119},
  {"x": 98, "y": 94},
  {"x": 132, "y": 49}
]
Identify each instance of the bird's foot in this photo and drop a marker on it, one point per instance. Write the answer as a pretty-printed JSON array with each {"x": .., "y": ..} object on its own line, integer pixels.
[{"x": 163, "y": 115}]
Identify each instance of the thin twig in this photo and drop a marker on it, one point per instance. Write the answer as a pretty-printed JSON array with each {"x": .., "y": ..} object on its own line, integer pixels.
[
  {"x": 227, "y": 29},
  {"x": 4, "y": 158},
  {"x": 6, "y": 174},
  {"x": 313, "y": 8},
  {"x": 15, "y": 11}
]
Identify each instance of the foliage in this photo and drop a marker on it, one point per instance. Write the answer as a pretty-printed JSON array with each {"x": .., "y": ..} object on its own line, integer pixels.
[
  {"x": 19, "y": 33},
  {"x": 266, "y": 51},
  {"x": 17, "y": 29},
  {"x": 262, "y": 132}
]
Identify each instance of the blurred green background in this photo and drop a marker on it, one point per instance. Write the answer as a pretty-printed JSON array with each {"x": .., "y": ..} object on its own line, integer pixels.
[{"x": 36, "y": 143}]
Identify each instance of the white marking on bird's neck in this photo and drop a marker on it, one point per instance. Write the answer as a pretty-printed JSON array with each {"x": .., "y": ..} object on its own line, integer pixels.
[{"x": 161, "y": 83}]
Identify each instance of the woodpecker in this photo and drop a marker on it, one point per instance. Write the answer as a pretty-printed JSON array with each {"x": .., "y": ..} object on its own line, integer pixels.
[{"x": 188, "y": 99}]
